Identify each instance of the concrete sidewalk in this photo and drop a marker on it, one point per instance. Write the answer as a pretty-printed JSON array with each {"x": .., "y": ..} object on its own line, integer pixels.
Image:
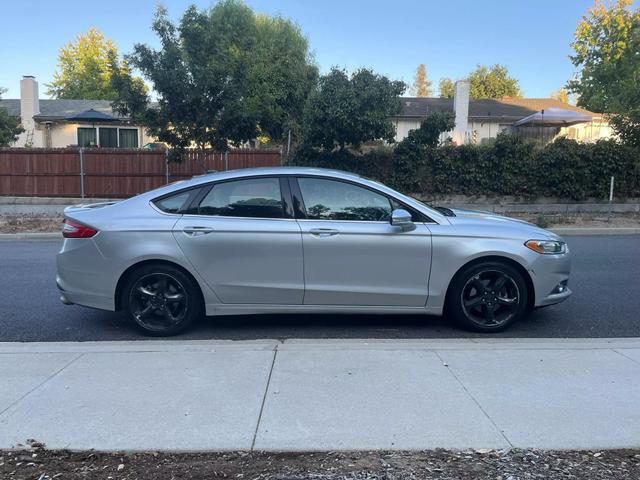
[{"x": 322, "y": 394}]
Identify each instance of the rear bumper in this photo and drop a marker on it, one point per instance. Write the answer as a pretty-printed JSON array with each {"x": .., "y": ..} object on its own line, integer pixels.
[
  {"x": 82, "y": 275},
  {"x": 84, "y": 298}
]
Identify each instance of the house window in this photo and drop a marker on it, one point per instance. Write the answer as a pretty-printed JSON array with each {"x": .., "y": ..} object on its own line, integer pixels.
[
  {"x": 128, "y": 137},
  {"x": 87, "y": 137},
  {"x": 108, "y": 137}
]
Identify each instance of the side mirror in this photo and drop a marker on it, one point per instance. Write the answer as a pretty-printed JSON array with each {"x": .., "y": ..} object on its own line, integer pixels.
[{"x": 401, "y": 218}]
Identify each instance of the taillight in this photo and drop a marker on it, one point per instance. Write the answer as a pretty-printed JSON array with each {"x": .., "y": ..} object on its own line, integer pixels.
[{"x": 72, "y": 229}]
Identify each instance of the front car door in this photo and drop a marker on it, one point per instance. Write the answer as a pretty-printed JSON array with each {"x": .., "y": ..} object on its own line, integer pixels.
[
  {"x": 242, "y": 239},
  {"x": 352, "y": 254}
]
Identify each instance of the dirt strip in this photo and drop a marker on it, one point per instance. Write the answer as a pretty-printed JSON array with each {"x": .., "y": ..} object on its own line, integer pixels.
[{"x": 40, "y": 464}]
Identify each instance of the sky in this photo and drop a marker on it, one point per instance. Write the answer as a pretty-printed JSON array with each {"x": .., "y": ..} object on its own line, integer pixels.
[{"x": 531, "y": 37}]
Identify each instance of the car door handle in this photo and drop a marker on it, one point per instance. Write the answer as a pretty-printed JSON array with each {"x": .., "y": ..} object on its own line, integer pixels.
[
  {"x": 197, "y": 231},
  {"x": 323, "y": 232}
]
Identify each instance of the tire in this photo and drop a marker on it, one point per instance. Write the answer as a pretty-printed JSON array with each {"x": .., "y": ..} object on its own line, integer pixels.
[
  {"x": 487, "y": 297},
  {"x": 161, "y": 300}
]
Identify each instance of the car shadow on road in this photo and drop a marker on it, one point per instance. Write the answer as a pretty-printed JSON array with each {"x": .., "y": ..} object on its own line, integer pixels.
[{"x": 342, "y": 326}]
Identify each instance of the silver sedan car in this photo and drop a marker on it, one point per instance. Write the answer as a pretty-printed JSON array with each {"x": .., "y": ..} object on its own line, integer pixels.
[{"x": 296, "y": 240}]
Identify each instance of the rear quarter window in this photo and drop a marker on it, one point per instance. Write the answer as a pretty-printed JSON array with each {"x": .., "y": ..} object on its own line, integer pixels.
[{"x": 174, "y": 203}]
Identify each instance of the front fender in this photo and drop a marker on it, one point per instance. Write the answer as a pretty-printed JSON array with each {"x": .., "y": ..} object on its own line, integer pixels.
[{"x": 451, "y": 252}]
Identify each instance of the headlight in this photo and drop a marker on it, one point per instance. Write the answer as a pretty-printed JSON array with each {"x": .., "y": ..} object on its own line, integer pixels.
[{"x": 546, "y": 246}]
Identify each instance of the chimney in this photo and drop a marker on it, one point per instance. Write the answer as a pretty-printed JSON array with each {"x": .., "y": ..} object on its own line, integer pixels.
[
  {"x": 461, "y": 109},
  {"x": 29, "y": 101}
]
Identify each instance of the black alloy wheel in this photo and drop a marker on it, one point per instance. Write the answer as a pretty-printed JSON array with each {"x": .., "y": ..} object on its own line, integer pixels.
[
  {"x": 161, "y": 300},
  {"x": 488, "y": 297}
]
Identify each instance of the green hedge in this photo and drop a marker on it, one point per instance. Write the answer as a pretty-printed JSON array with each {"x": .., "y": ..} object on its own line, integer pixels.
[{"x": 509, "y": 165}]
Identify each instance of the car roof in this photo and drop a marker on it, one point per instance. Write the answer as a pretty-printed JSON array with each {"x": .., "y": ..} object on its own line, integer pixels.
[{"x": 289, "y": 170}]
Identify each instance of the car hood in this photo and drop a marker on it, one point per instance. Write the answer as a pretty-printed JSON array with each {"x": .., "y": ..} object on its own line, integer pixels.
[{"x": 491, "y": 220}]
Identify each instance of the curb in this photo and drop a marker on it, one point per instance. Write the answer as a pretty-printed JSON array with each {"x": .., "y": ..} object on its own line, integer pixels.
[
  {"x": 596, "y": 230},
  {"x": 471, "y": 343},
  {"x": 17, "y": 237}
]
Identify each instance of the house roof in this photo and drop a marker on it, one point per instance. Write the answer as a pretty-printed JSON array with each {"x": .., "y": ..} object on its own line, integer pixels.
[
  {"x": 59, "y": 109},
  {"x": 506, "y": 110}
]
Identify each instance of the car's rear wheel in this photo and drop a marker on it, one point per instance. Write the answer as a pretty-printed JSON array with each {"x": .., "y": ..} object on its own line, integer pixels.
[
  {"x": 488, "y": 297},
  {"x": 161, "y": 300}
]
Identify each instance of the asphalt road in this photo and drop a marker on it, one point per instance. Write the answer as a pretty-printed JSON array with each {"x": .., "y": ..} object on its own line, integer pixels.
[{"x": 605, "y": 303}]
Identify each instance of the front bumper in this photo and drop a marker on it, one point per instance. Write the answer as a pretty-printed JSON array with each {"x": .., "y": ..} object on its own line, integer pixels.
[
  {"x": 550, "y": 275},
  {"x": 554, "y": 298}
]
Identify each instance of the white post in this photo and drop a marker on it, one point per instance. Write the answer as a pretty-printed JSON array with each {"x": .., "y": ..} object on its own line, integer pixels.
[{"x": 610, "y": 198}]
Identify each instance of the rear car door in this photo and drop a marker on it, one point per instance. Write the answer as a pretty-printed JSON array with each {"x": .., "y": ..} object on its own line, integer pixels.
[
  {"x": 352, "y": 254},
  {"x": 242, "y": 239}
]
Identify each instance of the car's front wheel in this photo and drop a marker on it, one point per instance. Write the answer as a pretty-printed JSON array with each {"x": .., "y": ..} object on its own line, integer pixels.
[
  {"x": 488, "y": 297},
  {"x": 161, "y": 300}
]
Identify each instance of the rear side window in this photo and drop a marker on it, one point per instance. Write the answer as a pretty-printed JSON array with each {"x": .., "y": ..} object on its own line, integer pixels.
[
  {"x": 173, "y": 203},
  {"x": 253, "y": 197}
]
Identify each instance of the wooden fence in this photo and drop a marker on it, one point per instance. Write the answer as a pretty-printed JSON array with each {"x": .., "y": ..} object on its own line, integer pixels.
[{"x": 111, "y": 173}]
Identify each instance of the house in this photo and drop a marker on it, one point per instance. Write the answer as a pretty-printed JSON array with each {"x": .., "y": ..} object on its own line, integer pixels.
[
  {"x": 62, "y": 123},
  {"x": 54, "y": 123},
  {"x": 479, "y": 120}
]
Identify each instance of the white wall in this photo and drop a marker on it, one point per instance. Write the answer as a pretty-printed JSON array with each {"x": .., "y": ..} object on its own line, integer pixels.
[
  {"x": 588, "y": 132},
  {"x": 403, "y": 126},
  {"x": 66, "y": 134},
  {"x": 584, "y": 132}
]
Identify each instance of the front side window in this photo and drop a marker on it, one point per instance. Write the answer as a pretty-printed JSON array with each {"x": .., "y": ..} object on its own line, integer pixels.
[
  {"x": 87, "y": 137},
  {"x": 334, "y": 200},
  {"x": 254, "y": 197}
]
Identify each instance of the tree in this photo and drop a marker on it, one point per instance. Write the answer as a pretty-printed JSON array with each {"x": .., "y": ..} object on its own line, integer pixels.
[
  {"x": 485, "y": 82},
  {"x": 282, "y": 54},
  {"x": 223, "y": 76},
  {"x": 606, "y": 46},
  {"x": 84, "y": 69},
  {"x": 446, "y": 87},
  {"x": 493, "y": 82},
  {"x": 561, "y": 95},
  {"x": 352, "y": 110},
  {"x": 428, "y": 134},
  {"x": 10, "y": 127},
  {"x": 421, "y": 85},
  {"x": 412, "y": 154}
]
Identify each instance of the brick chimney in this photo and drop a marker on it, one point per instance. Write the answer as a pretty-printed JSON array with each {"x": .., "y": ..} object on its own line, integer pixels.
[
  {"x": 29, "y": 102},
  {"x": 461, "y": 109}
]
